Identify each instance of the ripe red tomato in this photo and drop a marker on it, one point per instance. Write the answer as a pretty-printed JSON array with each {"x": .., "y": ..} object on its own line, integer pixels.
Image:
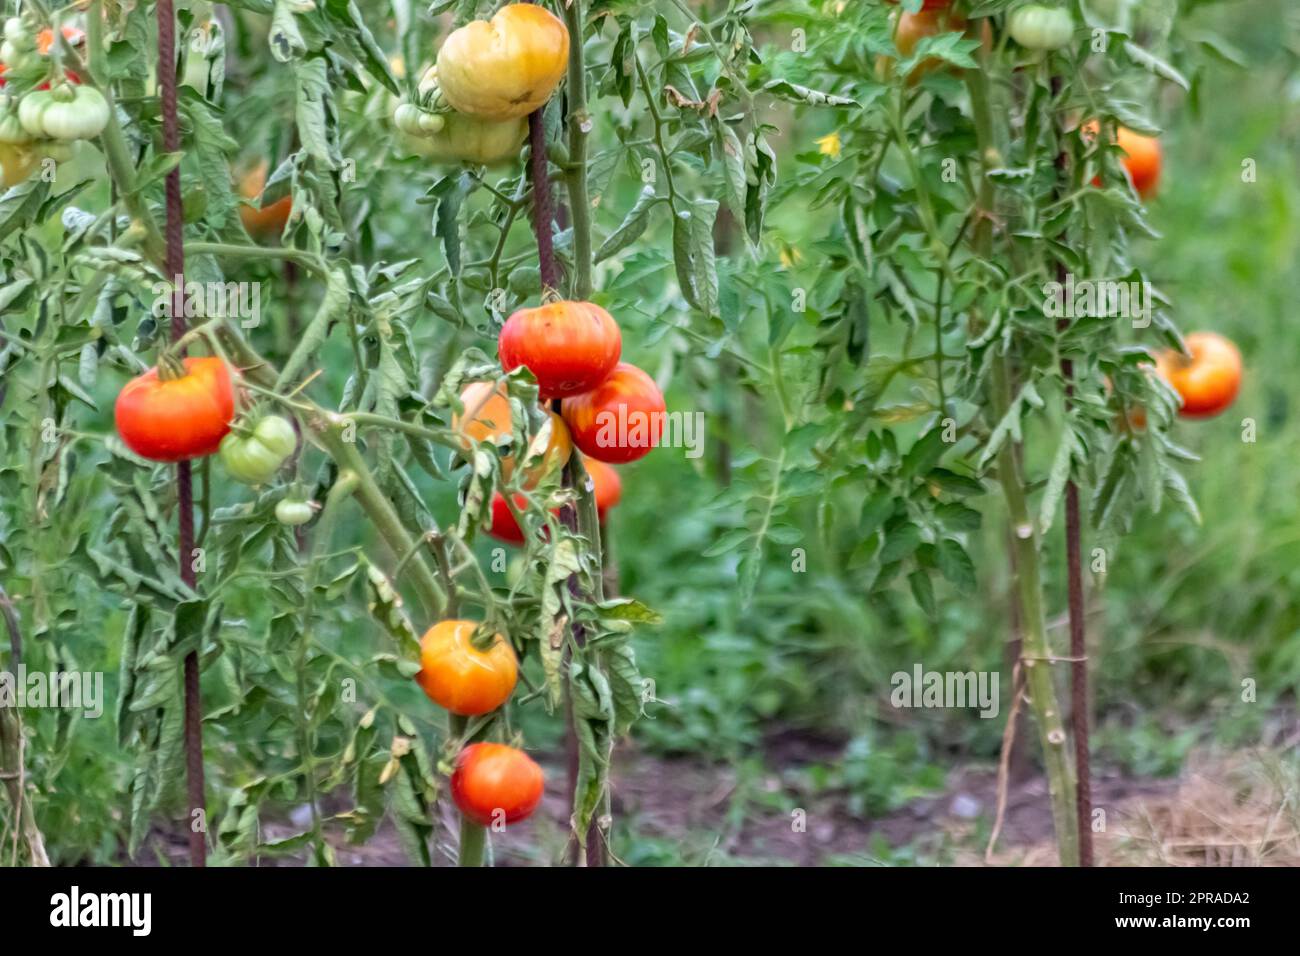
[
  {"x": 608, "y": 491},
  {"x": 568, "y": 346},
  {"x": 504, "y": 527},
  {"x": 177, "y": 419},
  {"x": 496, "y": 784},
  {"x": 1210, "y": 380},
  {"x": 459, "y": 676},
  {"x": 620, "y": 419}
]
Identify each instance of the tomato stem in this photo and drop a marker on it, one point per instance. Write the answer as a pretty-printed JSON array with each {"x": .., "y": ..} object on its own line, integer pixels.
[
  {"x": 579, "y": 124},
  {"x": 1036, "y": 657}
]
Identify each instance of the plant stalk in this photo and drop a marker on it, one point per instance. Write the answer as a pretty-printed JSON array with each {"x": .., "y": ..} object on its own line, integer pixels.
[{"x": 1036, "y": 654}]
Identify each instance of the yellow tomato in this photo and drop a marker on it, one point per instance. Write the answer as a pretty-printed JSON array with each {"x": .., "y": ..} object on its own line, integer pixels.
[
  {"x": 16, "y": 164},
  {"x": 507, "y": 67}
]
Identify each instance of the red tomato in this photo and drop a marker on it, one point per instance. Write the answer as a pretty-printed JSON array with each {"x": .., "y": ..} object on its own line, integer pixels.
[
  {"x": 1142, "y": 160},
  {"x": 1210, "y": 380},
  {"x": 69, "y": 75},
  {"x": 496, "y": 784},
  {"x": 620, "y": 419},
  {"x": 177, "y": 419},
  {"x": 568, "y": 346},
  {"x": 460, "y": 677},
  {"x": 608, "y": 492},
  {"x": 504, "y": 527}
]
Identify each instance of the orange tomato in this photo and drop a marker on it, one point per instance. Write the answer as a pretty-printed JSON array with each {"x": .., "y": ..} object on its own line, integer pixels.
[
  {"x": 177, "y": 419},
  {"x": 620, "y": 419},
  {"x": 1209, "y": 381},
  {"x": 506, "y": 68},
  {"x": 912, "y": 28},
  {"x": 1143, "y": 158},
  {"x": 495, "y": 784},
  {"x": 489, "y": 406},
  {"x": 459, "y": 676},
  {"x": 72, "y": 36},
  {"x": 608, "y": 487},
  {"x": 262, "y": 222},
  {"x": 568, "y": 346}
]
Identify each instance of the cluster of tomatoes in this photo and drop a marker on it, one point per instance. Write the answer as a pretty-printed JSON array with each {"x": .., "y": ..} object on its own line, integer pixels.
[
  {"x": 473, "y": 104},
  {"x": 612, "y": 411},
  {"x": 49, "y": 114},
  {"x": 1208, "y": 376},
  {"x": 1035, "y": 27},
  {"x": 182, "y": 410}
]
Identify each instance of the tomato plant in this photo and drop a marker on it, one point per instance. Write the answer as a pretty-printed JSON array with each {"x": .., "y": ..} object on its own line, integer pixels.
[{"x": 399, "y": 240}]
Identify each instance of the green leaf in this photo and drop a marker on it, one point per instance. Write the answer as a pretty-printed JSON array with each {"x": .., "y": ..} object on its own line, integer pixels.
[
  {"x": 632, "y": 226},
  {"x": 955, "y": 564}
]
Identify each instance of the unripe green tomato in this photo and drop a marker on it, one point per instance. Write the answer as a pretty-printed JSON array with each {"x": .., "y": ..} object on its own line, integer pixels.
[
  {"x": 16, "y": 32},
  {"x": 31, "y": 111},
  {"x": 55, "y": 149},
  {"x": 1037, "y": 27},
  {"x": 83, "y": 115},
  {"x": 14, "y": 57},
  {"x": 12, "y": 130},
  {"x": 468, "y": 139},
  {"x": 515, "y": 571},
  {"x": 293, "y": 513},
  {"x": 407, "y": 118},
  {"x": 254, "y": 459}
]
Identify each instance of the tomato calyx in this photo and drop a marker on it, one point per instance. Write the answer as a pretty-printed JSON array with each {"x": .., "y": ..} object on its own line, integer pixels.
[
  {"x": 484, "y": 637},
  {"x": 170, "y": 366}
]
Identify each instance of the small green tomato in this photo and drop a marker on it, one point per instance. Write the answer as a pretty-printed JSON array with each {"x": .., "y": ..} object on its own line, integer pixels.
[
  {"x": 293, "y": 513},
  {"x": 1036, "y": 27},
  {"x": 255, "y": 458}
]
